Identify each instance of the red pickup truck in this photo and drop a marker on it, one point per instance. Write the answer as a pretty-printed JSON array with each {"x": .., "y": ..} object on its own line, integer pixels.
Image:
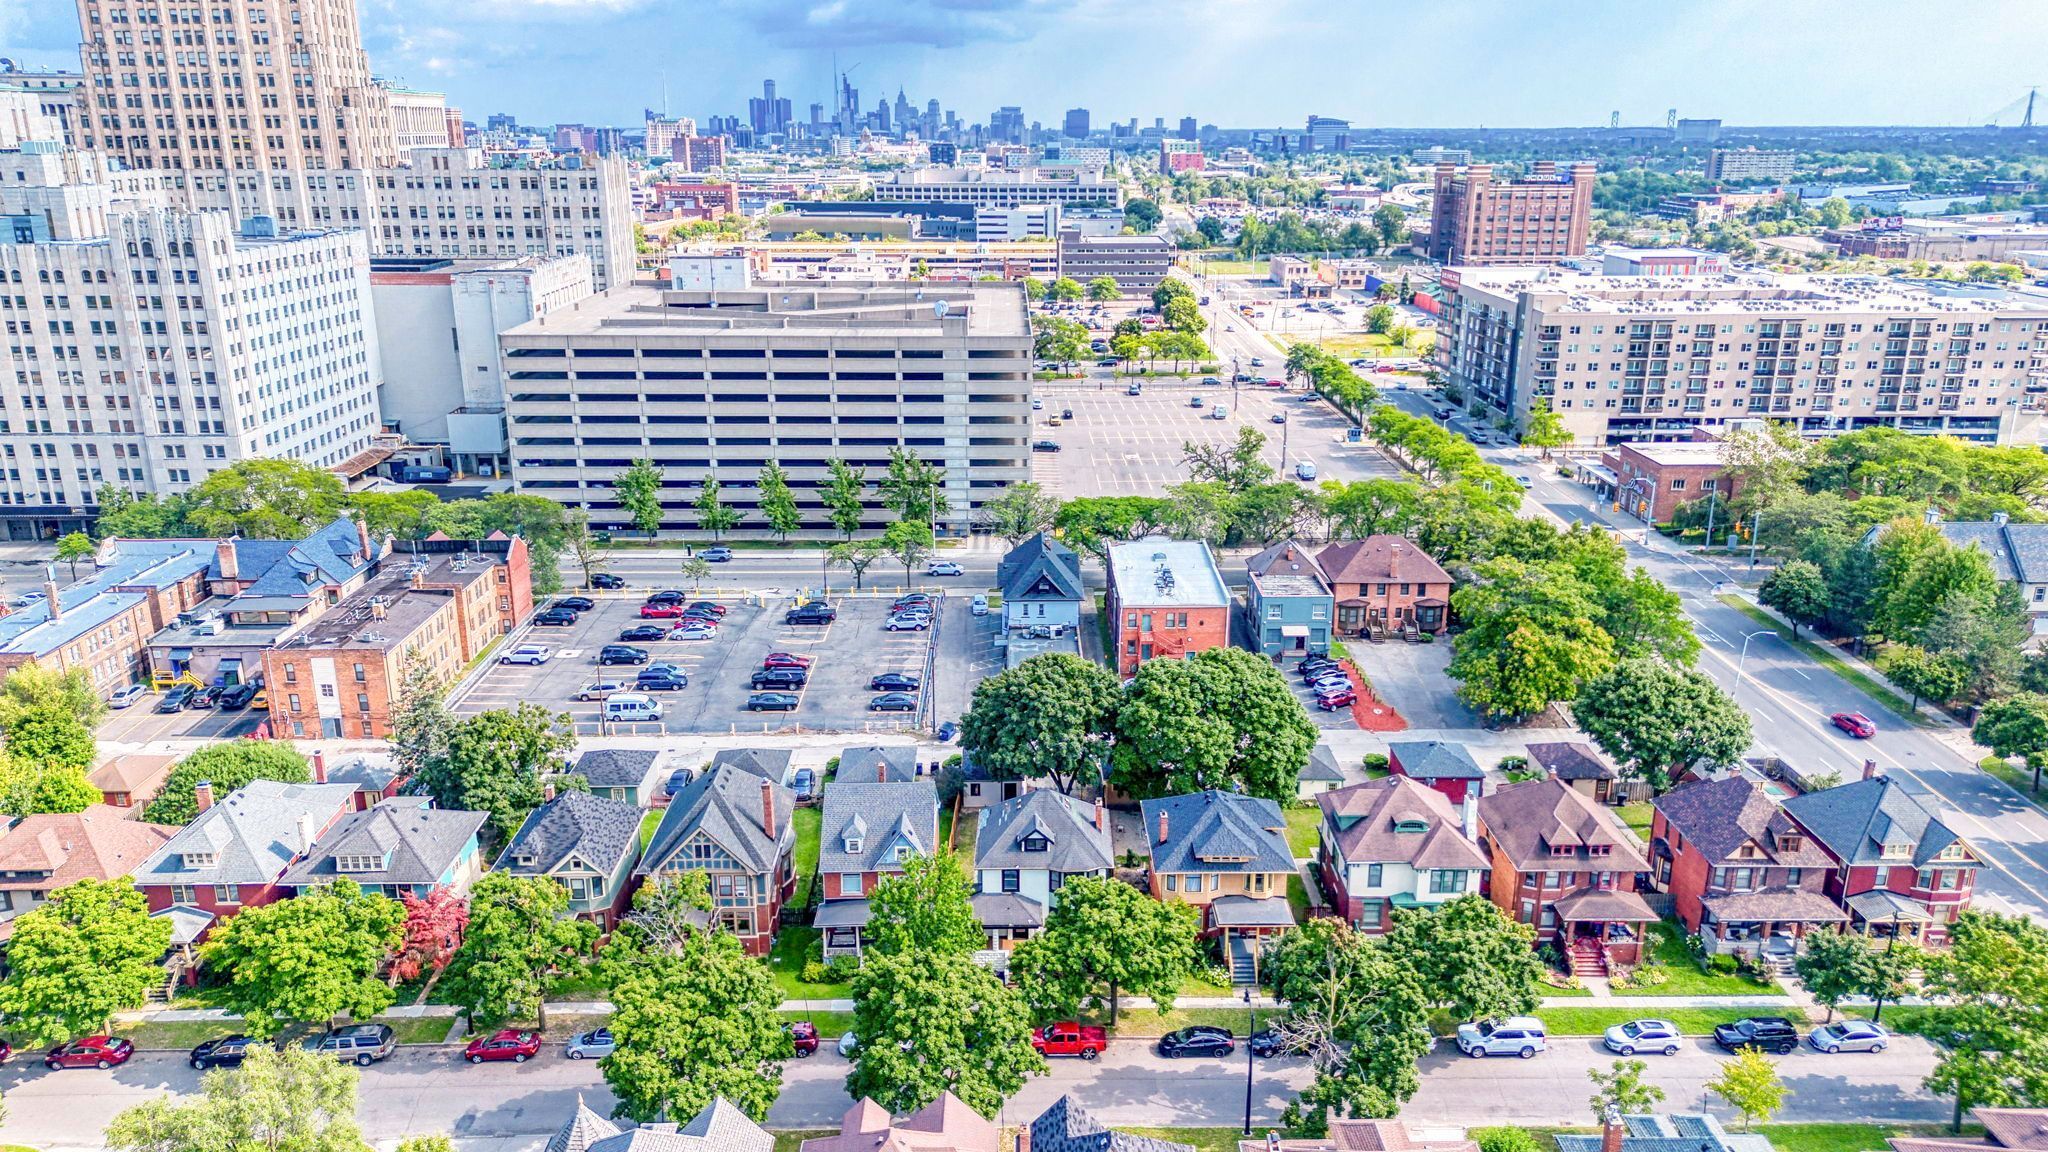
[{"x": 1070, "y": 1039}]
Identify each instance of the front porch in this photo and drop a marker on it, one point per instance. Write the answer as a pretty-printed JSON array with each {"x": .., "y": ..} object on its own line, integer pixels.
[
  {"x": 1242, "y": 925},
  {"x": 1884, "y": 915},
  {"x": 1009, "y": 919},
  {"x": 1770, "y": 924},
  {"x": 839, "y": 925},
  {"x": 1599, "y": 929}
]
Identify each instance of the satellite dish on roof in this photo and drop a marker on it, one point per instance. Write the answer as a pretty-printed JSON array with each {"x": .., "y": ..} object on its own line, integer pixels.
[{"x": 939, "y": 309}]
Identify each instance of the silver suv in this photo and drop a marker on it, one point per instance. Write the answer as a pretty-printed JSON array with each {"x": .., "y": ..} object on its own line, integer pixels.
[
  {"x": 365, "y": 1044},
  {"x": 1515, "y": 1036}
]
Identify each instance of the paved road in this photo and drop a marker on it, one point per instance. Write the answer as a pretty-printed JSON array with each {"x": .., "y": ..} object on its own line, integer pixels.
[{"x": 427, "y": 1090}]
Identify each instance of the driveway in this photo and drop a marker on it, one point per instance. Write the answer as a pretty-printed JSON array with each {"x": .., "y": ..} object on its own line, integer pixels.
[{"x": 1411, "y": 677}]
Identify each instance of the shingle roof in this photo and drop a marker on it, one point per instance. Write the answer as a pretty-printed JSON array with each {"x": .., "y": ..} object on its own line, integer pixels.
[
  {"x": 1435, "y": 760},
  {"x": 1720, "y": 816},
  {"x": 417, "y": 842},
  {"x": 2017, "y": 551},
  {"x": 1074, "y": 843},
  {"x": 1067, "y": 1127},
  {"x": 252, "y": 834},
  {"x": 772, "y": 763},
  {"x": 616, "y": 767},
  {"x": 719, "y": 1127},
  {"x": 1040, "y": 568},
  {"x": 1856, "y": 820},
  {"x": 1216, "y": 832},
  {"x": 1781, "y": 904},
  {"x": 1570, "y": 760},
  {"x": 332, "y": 554},
  {"x": 1374, "y": 559},
  {"x": 865, "y": 764},
  {"x": 1679, "y": 1132},
  {"x": 1322, "y": 765},
  {"x": 54, "y": 850},
  {"x": 944, "y": 1125},
  {"x": 1369, "y": 819},
  {"x": 597, "y": 830},
  {"x": 877, "y": 817},
  {"x": 1526, "y": 820},
  {"x": 1287, "y": 569},
  {"x": 726, "y": 804}
]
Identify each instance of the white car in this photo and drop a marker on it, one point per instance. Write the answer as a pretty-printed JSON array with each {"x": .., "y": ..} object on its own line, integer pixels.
[
  {"x": 594, "y": 1045},
  {"x": 909, "y": 623},
  {"x": 128, "y": 694},
  {"x": 599, "y": 690},
  {"x": 942, "y": 568},
  {"x": 528, "y": 654},
  {"x": 978, "y": 606},
  {"x": 847, "y": 1044},
  {"x": 1643, "y": 1036}
]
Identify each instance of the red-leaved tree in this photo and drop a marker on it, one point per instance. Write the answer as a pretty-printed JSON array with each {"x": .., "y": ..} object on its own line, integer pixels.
[{"x": 433, "y": 931}]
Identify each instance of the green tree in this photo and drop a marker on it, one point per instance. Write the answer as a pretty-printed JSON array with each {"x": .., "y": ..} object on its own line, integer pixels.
[
  {"x": 1064, "y": 290},
  {"x": 1020, "y": 512},
  {"x": 694, "y": 1025},
  {"x": 29, "y": 788},
  {"x": 421, "y": 725},
  {"x": 855, "y": 557},
  {"x": 913, "y": 488},
  {"x": 2016, "y": 726},
  {"x": 494, "y": 763},
  {"x": 1620, "y": 1091},
  {"x": 1763, "y": 465},
  {"x": 1834, "y": 967},
  {"x": 1379, "y": 319},
  {"x": 47, "y": 717},
  {"x": 1750, "y": 1084},
  {"x": 405, "y": 515},
  {"x": 1224, "y": 718},
  {"x": 1923, "y": 674},
  {"x": 1515, "y": 666},
  {"x": 1049, "y": 716},
  {"x": 1835, "y": 212},
  {"x": 924, "y": 910},
  {"x": 1102, "y": 940},
  {"x": 1799, "y": 590},
  {"x": 265, "y": 499},
  {"x": 73, "y": 547},
  {"x": 1034, "y": 288},
  {"x": 288, "y": 1100},
  {"x": 1993, "y": 979},
  {"x": 1142, "y": 215},
  {"x": 1359, "y": 1013},
  {"x": 583, "y": 547},
  {"x": 426, "y": 1144},
  {"x": 1545, "y": 429},
  {"x": 926, "y": 1023},
  {"x": 520, "y": 932},
  {"x": 714, "y": 515},
  {"x": 91, "y": 950},
  {"x": 910, "y": 542},
  {"x": 778, "y": 503},
  {"x": 845, "y": 496},
  {"x": 696, "y": 570},
  {"x": 308, "y": 959},
  {"x": 1104, "y": 288},
  {"x": 1657, "y": 720},
  {"x": 1392, "y": 224},
  {"x": 639, "y": 491},
  {"x": 227, "y": 767},
  {"x": 1058, "y": 340},
  {"x": 1474, "y": 962},
  {"x": 1183, "y": 315}
]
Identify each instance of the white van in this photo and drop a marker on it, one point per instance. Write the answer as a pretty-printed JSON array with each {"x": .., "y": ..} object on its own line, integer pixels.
[
  {"x": 632, "y": 706},
  {"x": 1305, "y": 470}
]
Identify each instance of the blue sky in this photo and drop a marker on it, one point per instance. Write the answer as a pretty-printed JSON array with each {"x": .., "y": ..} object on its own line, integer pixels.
[{"x": 1228, "y": 62}]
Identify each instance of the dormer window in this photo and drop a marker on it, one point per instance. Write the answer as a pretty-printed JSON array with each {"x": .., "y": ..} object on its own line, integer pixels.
[
  {"x": 853, "y": 845},
  {"x": 1599, "y": 849},
  {"x": 902, "y": 852},
  {"x": 1561, "y": 849},
  {"x": 1410, "y": 826},
  {"x": 524, "y": 860},
  {"x": 1035, "y": 843},
  {"x": 1789, "y": 843},
  {"x": 1897, "y": 851},
  {"x": 199, "y": 859},
  {"x": 358, "y": 862}
]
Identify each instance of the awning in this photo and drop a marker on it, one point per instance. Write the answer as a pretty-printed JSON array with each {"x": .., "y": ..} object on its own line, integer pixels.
[
  {"x": 1294, "y": 630},
  {"x": 181, "y": 653},
  {"x": 1007, "y": 910},
  {"x": 187, "y": 923},
  {"x": 1879, "y": 906},
  {"x": 1246, "y": 912},
  {"x": 843, "y": 914},
  {"x": 1600, "y": 472}
]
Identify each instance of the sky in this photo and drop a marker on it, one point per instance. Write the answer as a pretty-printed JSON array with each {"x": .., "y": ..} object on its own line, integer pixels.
[{"x": 1234, "y": 63}]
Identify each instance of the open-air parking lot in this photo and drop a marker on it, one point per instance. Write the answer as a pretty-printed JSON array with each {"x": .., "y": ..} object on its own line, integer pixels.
[
  {"x": 844, "y": 654},
  {"x": 140, "y": 723}
]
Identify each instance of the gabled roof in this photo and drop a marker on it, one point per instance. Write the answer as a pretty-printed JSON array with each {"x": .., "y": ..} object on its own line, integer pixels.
[
  {"x": 252, "y": 834},
  {"x": 52, "y": 850},
  {"x": 1375, "y": 559},
  {"x": 772, "y": 763},
  {"x": 1287, "y": 569},
  {"x": 332, "y": 554},
  {"x": 864, "y": 823},
  {"x": 877, "y": 764},
  {"x": 944, "y": 1125},
  {"x": 1216, "y": 832},
  {"x": 418, "y": 843},
  {"x": 1067, "y": 1127},
  {"x": 599, "y": 831},
  {"x": 1570, "y": 760},
  {"x": 1040, "y": 568},
  {"x": 1525, "y": 821},
  {"x": 726, "y": 804},
  {"x": 616, "y": 767},
  {"x": 719, "y": 1127},
  {"x": 1322, "y": 765},
  {"x": 1067, "y": 824},
  {"x": 2017, "y": 551},
  {"x": 1396, "y": 820},
  {"x": 1435, "y": 760},
  {"x": 1720, "y": 816},
  {"x": 1856, "y": 820}
]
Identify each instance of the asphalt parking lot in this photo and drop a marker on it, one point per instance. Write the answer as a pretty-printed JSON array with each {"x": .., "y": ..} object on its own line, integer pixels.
[
  {"x": 1122, "y": 445},
  {"x": 140, "y": 723},
  {"x": 846, "y": 653}
]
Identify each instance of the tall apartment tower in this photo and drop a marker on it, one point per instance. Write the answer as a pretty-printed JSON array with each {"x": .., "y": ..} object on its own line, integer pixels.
[
  {"x": 1542, "y": 217},
  {"x": 220, "y": 98}
]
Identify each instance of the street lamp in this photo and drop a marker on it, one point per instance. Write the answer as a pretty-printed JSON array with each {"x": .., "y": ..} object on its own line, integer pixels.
[
  {"x": 1744, "y": 657},
  {"x": 1252, "y": 1031}
]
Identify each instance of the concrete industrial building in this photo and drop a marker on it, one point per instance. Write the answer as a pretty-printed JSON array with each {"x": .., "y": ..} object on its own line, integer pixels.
[
  {"x": 1740, "y": 165},
  {"x": 1649, "y": 358},
  {"x": 997, "y": 188},
  {"x": 165, "y": 344},
  {"x": 718, "y": 376},
  {"x": 438, "y": 322},
  {"x": 1136, "y": 263},
  {"x": 1542, "y": 217},
  {"x": 1939, "y": 241}
]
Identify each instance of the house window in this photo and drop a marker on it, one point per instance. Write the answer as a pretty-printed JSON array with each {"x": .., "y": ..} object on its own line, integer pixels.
[
  {"x": 579, "y": 887},
  {"x": 902, "y": 852},
  {"x": 1549, "y": 916},
  {"x": 199, "y": 859},
  {"x": 184, "y": 894},
  {"x": 1013, "y": 880},
  {"x": 849, "y": 883},
  {"x": 1036, "y": 843},
  {"x": 362, "y": 676},
  {"x": 974, "y": 789},
  {"x": 853, "y": 846},
  {"x": 1881, "y": 878},
  {"x": 1372, "y": 875},
  {"x": 359, "y": 863},
  {"x": 1371, "y": 912},
  {"x": 227, "y": 893},
  {"x": 1172, "y": 882},
  {"x": 1443, "y": 881},
  {"x": 1258, "y": 881},
  {"x": 1792, "y": 876}
]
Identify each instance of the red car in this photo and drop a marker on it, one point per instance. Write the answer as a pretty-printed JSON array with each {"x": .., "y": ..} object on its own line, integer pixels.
[
  {"x": 660, "y": 611},
  {"x": 1067, "y": 1038},
  {"x": 1855, "y": 724},
  {"x": 786, "y": 660},
  {"x": 1276, "y": 383},
  {"x": 1331, "y": 701},
  {"x": 514, "y": 1044},
  {"x": 803, "y": 1035},
  {"x": 89, "y": 1052}
]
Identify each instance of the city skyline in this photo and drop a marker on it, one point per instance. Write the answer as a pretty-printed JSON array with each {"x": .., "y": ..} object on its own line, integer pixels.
[{"x": 1488, "y": 64}]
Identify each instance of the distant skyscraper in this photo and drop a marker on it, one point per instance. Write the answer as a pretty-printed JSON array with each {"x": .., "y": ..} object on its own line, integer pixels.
[
  {"x": 501, "y": 122},
  {"x": 1076, "y": 125},
  {"x": 1328, "y": 134},
  {"x": 933, "y": 121},
  {"x": 905, "y": 115},
  {"x": 1189, "y": 130},
  {"x": 1007, "y": 124},
  {"x": 768, "y": 115}
]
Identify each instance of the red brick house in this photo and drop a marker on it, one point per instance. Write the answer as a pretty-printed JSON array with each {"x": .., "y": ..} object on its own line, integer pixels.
[
  {"x": 867, "y": 833},
  {"x": 1741, "y": 873},
  {"x": 1166, "y": 598},
  {"x": 735, "y": 827},
  {"x": 1438, "y": 765},
  {"x": 1561, "y": 864},
  {"x": 234, "y": 853},
  {"x": 1896, "y": 867},
  {"x": 1387, "y": 581}
]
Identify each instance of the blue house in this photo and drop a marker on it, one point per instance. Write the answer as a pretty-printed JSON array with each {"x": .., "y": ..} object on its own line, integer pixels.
[
  {"x": 1288, "y": 604},
  {"x": 403, "y": 844},
  {"x": 587, "y": 844},
  {"x": 1041, "y": 584}
]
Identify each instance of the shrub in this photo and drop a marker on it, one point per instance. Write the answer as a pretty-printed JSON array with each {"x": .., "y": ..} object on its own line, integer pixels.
[
  {"x": 1376, "y": 761},
  {"x": 841, "y": 969},
  {"x": 814, "y": 972},
  {"x": 1513, "y": 763},
  {"x": 1723, "y": 965},
  {"x": 1646, "y": 976},
  {"x": 1505, "y": 1140}
]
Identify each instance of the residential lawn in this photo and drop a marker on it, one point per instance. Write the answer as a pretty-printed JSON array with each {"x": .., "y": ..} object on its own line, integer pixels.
[
  {"x": 1594, "y": 1021},
  {"x": 2021, "y": 780},
  {"x": 1902, "y": 1017},
  {"x": 1686, "y": 979},
  {"x": 831, "y": 1025},
  {"x": 178, "y": 1035},
  {"x": 578, "y": 984},
  {"x": 562, "y": 1025},
  {"x": 1201, "y": 1139},
  {"x": 786, "y": 961},
  {"x": 1297, "y": 898},
  {"x": 1150, "y": 1022},
  {"x": 962, "y": 838},
  {"x": 1827, "y": 657},
  {"x": 1549, "y": 990},
  {"x": 794, "y": 1141},
  {"x": 1196, "y": 986},
  {"x": 1360, "y": 346},
  {"x": 1816, "y": 1137},
  {"x": 1303, "y": 826},
  {"x": 1637, "y": 817},
  {"x": 807, "y": 821},
  {"x": 420, "y": 1029},
  {"x": 648, "y": 824}
]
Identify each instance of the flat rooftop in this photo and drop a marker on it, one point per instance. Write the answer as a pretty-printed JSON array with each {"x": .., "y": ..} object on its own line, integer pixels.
[
  {"x": 388, "y": 608},
  {"x": 93, "y": 600},
  {"x": 855, "y": 310},
  {"x": 1289, "y": 584},
  {"x": 1741, "y": 294},
  {"x": 1675, "y": 454},
  {"x": 1167, "y": 573}
]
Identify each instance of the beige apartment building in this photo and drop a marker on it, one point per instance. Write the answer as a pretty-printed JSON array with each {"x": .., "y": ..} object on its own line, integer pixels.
[
  {"x": 717, "y": 379},
  {"x": 1651, "y": 358}
]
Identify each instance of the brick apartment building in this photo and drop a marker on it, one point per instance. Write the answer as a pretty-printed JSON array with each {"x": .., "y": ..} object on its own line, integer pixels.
[
  {"x": 442, "y": 599},
  {"x": 1166, "y": 598},
  {"x": 1540, "y": 218},
  {"x": 1652, "y": 480},
  {"x": 1388, "y": 582},
  {"x": 698, "y": 153}
]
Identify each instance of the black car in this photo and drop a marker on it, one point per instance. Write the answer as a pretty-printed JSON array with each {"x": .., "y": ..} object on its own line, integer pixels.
[
  {"x": 226, "y": 1052},
  {"x": 707, "y": 607},
  {"x": 1267, "y": 1043},
  {"x": 1310, "y": 661},
  {"x": 772, "y": 702},
  {"x": 893, "y": 702},
  {"x": 811, "y": 614},
  {"x": 555, "y": 618},
  {"x": 177, "y": 698},
  {"x": 623, "y": 654},
  {"x": 668, "y": 597},
  {"x": 1773, "y": 1034},
  {"x": 575, "y": 603},
  {"x": 644, "y": 632},
  {"x": 660, "y": 682},
  {"x": 236, "y": 697},
  {"x": 705, "y": 614},
  {"x": 607, "y": 580},
  {"x": 1045, "y": 445},
  {"x": 1200, "y": 1040},
  {"x": 893, "y": 682},
  {"x": 717, "y": 555},
  {"x": 781, "y": 678}
]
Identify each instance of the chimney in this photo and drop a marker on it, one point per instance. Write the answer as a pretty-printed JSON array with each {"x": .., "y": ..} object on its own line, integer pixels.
[
  {"x": 547, "y": 790},
  {"x": 2001, "y": 518},
  {"x": 202, "y": 794},
  {"x": 1162, "y": 825},
  {"x": 768, "y": 807},
  {"x": 1611, "y": 1131},
  {"x": 319, "y": 767},
  {"x": 1468, "y": 816},
  {"x": 363, "y": 537},
  {"x": 881, "y": 771},
  {"x": 306, "y": 831},
  {"x": 50, "y": 595},
  {"x": 224, "y": 559},
  {"x": 419, "y": 580},
  {"x": 1101, "y": 817},
  {"x": 376, "y": 608},
  {"x": 1870, "y": 769}
]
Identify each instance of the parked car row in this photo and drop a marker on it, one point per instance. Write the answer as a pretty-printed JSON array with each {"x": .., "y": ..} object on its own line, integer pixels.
[
  {"x": 1525, "y": 1036},
  {"x": 179, "y": 697},
  {"x": 911, "y": 612},
  {"x": 1328, "y": 680}
]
